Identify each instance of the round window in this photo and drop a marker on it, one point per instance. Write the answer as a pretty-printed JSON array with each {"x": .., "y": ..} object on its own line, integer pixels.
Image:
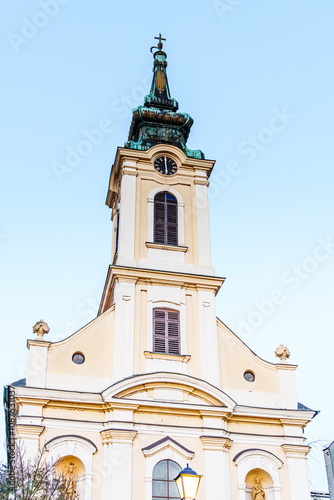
[
  {"x": 78, "y": 358},
  {"x": 249, "y": 376}
]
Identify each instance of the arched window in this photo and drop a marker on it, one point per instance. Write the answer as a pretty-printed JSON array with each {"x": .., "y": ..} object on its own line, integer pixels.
[
  {"x": 165, "y": 218},
  {"x": 166, "y": 331},
  {"x": 163, "y": 484}
]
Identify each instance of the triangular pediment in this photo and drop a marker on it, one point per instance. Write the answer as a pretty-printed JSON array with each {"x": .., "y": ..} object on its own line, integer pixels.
[
  {"x": 167, "y": 442},
  {"x": 173, "y": 388}
]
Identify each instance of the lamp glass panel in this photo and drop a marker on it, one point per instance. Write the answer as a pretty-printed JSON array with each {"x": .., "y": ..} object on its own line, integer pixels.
[
  {"x": 179, "y": 486},
  {"x": 190, "y": 485}
]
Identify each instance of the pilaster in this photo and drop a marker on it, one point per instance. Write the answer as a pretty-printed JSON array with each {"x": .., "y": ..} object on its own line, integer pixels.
[
  {"x": 217, "y": 474},
  {"x": 126, "y": 246},
  {"x": 36, "y": 372},
  {"x": 117, "y": 454},
  {"x": 208, "y": 337},
  {"x": 124, "y": 328},
  {"x": 297, "y": 465},
  {"x": 288, "y": 389}
]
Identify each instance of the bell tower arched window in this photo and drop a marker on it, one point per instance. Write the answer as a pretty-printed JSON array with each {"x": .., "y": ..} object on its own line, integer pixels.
[
  {"x": 163, "y": 484},
  {"x": 166, "y": 331},
  {"x": 165, "y": 218}
]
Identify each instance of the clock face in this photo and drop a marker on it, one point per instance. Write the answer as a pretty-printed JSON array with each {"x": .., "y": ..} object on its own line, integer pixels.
[{"x": 165, "y": 165}]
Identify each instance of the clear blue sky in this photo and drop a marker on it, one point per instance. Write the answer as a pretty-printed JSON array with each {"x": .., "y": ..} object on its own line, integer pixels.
[{"x": 257, "y": 77}]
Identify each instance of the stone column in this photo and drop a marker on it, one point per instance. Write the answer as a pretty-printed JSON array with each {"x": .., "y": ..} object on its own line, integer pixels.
[
  {"x": 217, "y": 473},
  {"x": 118, "y": 452},
  {"x": 297, "y": 465}
]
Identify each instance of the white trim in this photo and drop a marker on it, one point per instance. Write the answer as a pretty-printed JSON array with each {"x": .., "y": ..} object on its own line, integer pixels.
[
  {"x": 168, "y": 443},
  {"x": 169, "y": 378}
]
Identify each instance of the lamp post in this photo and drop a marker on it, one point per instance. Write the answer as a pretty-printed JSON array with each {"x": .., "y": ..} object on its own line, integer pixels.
[{"x": 187, "y": 483}]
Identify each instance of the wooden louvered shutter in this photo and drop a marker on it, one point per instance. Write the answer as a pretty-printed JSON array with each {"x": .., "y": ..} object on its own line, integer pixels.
[
  {"x": 165, "y": 219},
  {"x": 159, "y": 335},
  {"x": 159, "y": 218},
  {"x": 166, "y": 337},
  {"x": 171, "y": 222},
  {"x": 173, "y": 333}
]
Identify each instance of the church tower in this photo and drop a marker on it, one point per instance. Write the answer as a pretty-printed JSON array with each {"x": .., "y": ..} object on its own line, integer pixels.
[
  {"x": 157, "y": 381},
  {"x": 161, "y": 279}
]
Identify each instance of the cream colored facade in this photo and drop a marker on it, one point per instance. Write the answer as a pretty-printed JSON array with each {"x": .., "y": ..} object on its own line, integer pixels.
[{"x": 126, "y": 408}]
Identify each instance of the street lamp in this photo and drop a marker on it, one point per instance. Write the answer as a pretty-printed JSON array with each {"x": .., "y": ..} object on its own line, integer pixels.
[{"x": 187, "y": 483}]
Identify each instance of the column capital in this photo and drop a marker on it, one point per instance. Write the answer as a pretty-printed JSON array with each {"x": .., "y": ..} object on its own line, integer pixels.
[
  {"x": 129, "y": 170},
  {"x": 216, "y": 443},
  {"x": 296, "y": 451},
  {"x": 118, "y": 436},
  {"x": 28, "y": 431}
]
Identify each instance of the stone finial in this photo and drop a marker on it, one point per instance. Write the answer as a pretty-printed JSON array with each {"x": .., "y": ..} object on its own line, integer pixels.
[
  {"x": 283, "y": 353},
  {"x": 40, "y": 328}
]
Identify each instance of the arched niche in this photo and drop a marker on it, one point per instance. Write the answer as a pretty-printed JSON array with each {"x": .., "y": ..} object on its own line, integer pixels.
[
  {"x": 70, "y": 465},
  {"x": 259, "y": 477},
  {"x": 67, "y": 449},
  {"x": 255, "y": 463}
]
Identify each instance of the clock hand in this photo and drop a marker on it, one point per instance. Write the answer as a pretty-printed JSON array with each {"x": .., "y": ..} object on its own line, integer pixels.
[{"x": 165, "y": 165}]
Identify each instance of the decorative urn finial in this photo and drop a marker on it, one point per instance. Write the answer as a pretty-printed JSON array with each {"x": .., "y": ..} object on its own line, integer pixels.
[
  {"x": 41, "y": 328},
  {"x": 283, "y": 353}
]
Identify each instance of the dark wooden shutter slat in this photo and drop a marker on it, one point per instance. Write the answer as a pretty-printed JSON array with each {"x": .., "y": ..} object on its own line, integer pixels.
[
  {"x": 173, "y": 316},
  {"x": 173, "y": 330},
  {"x": 165, "y": 219},
  {"x": 159, "y": 313},
  {"x": 160, "y": 212},
  {"x": 173, "y": 346},
  {"x": 159, "y": 233},
  {"x": 159, "y": 345},
  {"x": 166, "y": 331}
]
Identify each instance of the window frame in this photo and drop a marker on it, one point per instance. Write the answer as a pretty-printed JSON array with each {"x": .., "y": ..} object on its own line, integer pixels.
[
  {"x": 168, "y": 337},
  {"x": 165, "y": 232},
  {"x": 164, "y": 480}
]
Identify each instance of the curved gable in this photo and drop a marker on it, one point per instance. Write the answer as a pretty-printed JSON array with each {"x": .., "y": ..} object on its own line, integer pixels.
[{"x": 172, "y": 387}]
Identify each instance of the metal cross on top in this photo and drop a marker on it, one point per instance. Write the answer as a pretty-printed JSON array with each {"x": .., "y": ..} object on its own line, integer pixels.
[{"x": 160, "y": 40}]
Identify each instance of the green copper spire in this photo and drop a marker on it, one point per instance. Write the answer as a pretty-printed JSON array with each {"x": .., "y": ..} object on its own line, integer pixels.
[
  {"x": 159, "y": 95},
  {"x": 158, "y": 120}
]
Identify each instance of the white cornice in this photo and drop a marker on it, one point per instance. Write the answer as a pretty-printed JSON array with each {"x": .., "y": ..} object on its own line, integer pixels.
[{"x": 288, "y": 416}]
